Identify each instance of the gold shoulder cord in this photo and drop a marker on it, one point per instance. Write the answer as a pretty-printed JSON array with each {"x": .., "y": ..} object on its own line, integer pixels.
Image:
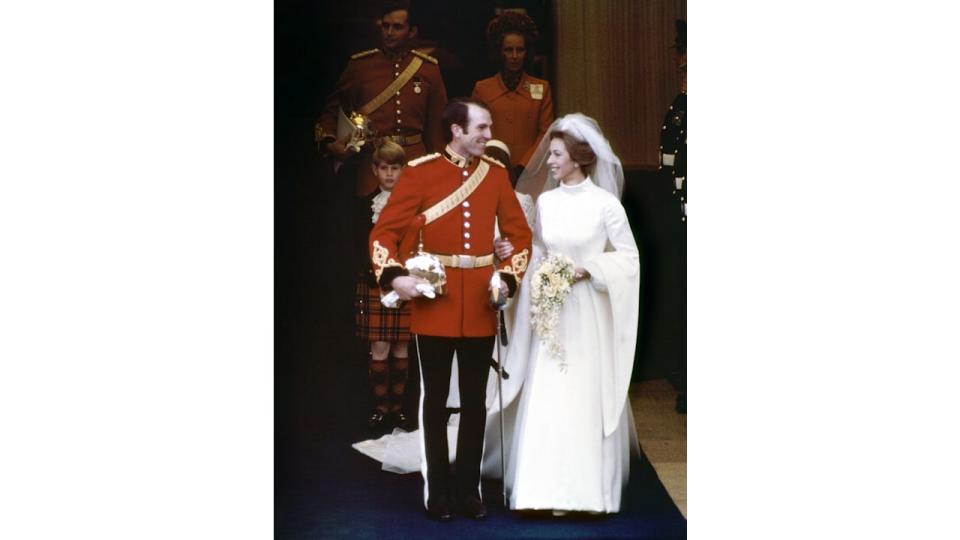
[
  {"x": 493, "y": 160},
  {"x": 454, "y": 199},
  {"x": 363, "y": 54},
  {"x": 389, "y": 91},
  {"x": 423, "y": 159}
]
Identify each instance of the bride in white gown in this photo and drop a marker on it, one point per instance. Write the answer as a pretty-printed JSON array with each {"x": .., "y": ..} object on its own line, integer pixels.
[
  {"x": 574, "y": 428},
  {"x": 569, "y": 433}
]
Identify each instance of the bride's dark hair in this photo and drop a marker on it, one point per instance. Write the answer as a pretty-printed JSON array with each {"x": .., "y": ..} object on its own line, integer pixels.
[
  {"x": 586, "y": 145},
  {"x": 579, "y": 150}
]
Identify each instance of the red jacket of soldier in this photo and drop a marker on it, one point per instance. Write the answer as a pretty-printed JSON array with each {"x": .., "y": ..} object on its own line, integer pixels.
[
  {"x": 464, "y": 309},
  {"x": 413, "y": 112}
]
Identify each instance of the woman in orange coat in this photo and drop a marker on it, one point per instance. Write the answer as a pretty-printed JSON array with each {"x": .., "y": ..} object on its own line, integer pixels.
[{"x": 521, "y": 105}]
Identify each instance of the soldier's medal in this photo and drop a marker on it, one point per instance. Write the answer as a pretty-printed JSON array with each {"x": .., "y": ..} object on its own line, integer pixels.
[
  {"x": 416, "y": 85},
  {"x": 536, "y": 91}
]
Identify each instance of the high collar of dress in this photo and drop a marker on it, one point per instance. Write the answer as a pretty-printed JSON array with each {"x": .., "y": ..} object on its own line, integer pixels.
[
  {"x": 457, "y": 159},
  {"x": 576, "y": 188}
]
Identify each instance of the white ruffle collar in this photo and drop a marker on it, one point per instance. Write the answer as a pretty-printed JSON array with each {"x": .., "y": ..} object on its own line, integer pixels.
[{"x": 379, "y": 201}]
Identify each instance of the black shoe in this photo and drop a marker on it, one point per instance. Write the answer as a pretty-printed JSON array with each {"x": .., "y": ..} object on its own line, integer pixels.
[
  {"x": 473, "y": 508},
  {"x": 377, "y": 420},
  {"x": 439, "y": 511}
]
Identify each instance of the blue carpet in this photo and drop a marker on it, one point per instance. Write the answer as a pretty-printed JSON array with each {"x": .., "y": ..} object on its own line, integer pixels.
[{"x": 328, "y": 490}]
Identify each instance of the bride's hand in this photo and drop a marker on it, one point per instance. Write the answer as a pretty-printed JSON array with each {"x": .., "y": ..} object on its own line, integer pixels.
[
  {"x": 580, "y": 274},
  {"x": 503, "y": 248}
]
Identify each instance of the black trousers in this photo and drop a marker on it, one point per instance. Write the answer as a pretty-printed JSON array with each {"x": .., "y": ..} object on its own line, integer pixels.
[{"x": 436, "y": 361}]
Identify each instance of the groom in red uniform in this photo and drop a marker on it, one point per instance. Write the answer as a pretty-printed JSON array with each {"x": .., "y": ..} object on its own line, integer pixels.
[{"x": 451, "y": 200}]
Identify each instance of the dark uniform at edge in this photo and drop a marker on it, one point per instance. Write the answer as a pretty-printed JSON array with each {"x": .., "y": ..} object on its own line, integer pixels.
[{"x": 673, "y": 169}]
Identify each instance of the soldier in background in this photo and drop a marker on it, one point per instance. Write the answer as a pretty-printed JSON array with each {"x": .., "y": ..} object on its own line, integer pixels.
[
  {"x": 396, "y": 89},
  {"x": 673, "y": 165},
  {"x": 673, "y": 133}
]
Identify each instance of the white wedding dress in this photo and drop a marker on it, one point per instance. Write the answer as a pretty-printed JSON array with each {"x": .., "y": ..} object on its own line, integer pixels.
[{"x": 574, "y": 429}]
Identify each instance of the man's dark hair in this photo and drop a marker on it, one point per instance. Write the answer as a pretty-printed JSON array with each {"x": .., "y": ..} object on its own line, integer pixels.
[
  {"x": 457, "y": 112},
  {"x": 389, "y": 6}
]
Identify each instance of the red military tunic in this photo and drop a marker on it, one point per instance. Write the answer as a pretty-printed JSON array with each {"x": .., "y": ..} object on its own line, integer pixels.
[
  {"x": 463, "y": 310},
  {"x": 520, "y": 117},
  {"x": 413, "y": 112}
]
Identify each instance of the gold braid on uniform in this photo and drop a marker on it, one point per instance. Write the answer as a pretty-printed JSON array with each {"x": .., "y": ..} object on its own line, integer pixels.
[
  {"x": 381, "y": 258},
  {"x": 425, "y": 56},
  {"x": 423, "y": 159},
  {"x": 493, "y": 160},
  {"x": 518, "y": 263},
  {"x": 511, "y": 272},
  {"x": 363, "y": 54}
]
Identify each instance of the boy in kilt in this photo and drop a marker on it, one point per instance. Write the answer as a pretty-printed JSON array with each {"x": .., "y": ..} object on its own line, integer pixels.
[{"x": 387, "y": 330}]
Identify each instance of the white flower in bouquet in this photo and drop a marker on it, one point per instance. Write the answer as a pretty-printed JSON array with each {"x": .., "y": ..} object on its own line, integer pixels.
[{"x": 551, "y": 284}]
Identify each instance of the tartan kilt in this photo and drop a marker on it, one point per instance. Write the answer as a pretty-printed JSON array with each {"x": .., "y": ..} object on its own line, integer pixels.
[{"x": 375, "y": 322}]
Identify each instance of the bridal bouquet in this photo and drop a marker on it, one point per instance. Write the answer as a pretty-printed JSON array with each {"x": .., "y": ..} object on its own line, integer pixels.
[{"x": 551, "y": 283}]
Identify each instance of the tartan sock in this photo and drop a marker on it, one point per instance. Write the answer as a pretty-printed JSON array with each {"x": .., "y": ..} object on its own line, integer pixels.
[
  {"x": 398, "y": 381},
  {"x": 378, "y": 374}
]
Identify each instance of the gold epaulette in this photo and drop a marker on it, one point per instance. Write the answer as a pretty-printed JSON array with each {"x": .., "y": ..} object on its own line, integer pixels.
[
  {"x": 363, "y": 54},
  {"x": 493, "y": 160},
  {"x": 425, "y": 56},
  {"x": 423, "y": 159}
]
